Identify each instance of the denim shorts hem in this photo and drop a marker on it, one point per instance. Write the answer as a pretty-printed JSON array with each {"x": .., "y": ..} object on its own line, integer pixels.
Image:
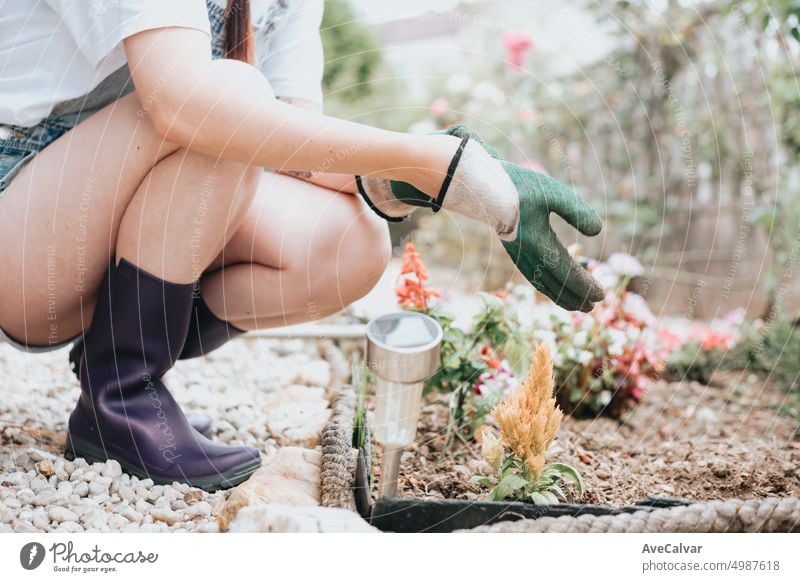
[
  {"x": 10, "y": 174},
  {"x": 35, "y": 349}
]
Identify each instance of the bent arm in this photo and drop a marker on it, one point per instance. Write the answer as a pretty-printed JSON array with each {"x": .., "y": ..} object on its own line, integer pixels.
[
  {"x": 226, "y": 108},
  {"x": 337, "y": 182}
]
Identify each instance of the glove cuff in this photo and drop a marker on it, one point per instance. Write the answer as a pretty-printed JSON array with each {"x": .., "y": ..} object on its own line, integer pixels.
[{"x": 377, "y": 193}]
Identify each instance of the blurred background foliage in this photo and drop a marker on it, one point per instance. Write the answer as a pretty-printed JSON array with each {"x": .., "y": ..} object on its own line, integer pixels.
[{"x": 684, "y": 130}]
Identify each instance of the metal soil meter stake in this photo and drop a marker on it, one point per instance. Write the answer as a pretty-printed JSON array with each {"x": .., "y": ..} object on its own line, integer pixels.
[{"x": 402, "y": 352}]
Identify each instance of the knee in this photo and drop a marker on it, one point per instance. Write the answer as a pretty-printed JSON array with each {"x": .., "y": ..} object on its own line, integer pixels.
[
  {"x": 241, "y": 181},
  {"x": 363, "y": 255}
]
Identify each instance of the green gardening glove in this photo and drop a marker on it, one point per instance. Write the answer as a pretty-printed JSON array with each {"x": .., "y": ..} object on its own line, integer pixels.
[{"x": 520, "y": 215}]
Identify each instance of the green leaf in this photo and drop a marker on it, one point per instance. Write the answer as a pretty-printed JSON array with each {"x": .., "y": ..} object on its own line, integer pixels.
[
  {"x": 539, "y": 499},
  {"x": 482, "y": 480},
  {"x": 557, "y": 490},
  {"x": 570, "y": 474},
  {"x": 551, "y": 498},
  {"x": 550, "y": 473},
  {"x": 507, "y": 485}
]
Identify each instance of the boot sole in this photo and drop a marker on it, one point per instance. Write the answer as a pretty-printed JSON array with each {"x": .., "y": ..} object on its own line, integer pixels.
[{"x": 77, "y": 447}]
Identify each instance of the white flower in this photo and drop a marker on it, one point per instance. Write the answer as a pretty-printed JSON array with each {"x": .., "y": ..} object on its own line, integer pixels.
[
  {"x": 625, "y": 265},
  {"x": 581, "y": 338},
  {"x": 585, "y": 357},
  {"x": 637, "y": 306},
  {"x": 496, "y": 384},
  {"x": 605, "y": 275},
  {"x": 548, "y": 337},
  {"x": 571, "y": 353},
  {"x": 632, "y": 333},
  {"x": 617, "y": 340},
  {"x": 604, "y": 398}
]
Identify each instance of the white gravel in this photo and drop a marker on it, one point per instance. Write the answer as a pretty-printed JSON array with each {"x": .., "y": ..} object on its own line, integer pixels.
[{"x": 40, "y": 491}]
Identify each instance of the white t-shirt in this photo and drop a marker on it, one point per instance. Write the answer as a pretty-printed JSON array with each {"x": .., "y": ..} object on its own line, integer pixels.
[{"x": 56, "y": 50}]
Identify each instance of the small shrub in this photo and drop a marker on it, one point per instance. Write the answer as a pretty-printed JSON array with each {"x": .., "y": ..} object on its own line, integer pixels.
[
  {"x": 529, "y": 421},
  {"x": 605, "y": 360}
]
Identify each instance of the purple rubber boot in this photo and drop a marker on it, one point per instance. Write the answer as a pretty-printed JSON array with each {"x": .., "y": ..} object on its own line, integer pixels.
[
  {"x": 207, "y": 332},
  {"x": 125, "y": 412}
]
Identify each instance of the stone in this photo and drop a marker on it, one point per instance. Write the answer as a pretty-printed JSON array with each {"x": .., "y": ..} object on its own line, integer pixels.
[
  {"x": 40, "y": 519},
  {"x": 36, "y": 455},
  {"x": 314, "y": 373},
  {"x": 45, "y": 467},
  {"x": 12, "y": 503},
  {"x": 61, "y": 514},
  {"x": 142, "y": 506},
  {"x": 199, "y": 509},
  {"x": 99, "y": 485},
  {"x": 290, "y": 477},
  {"x": 297, "y": 414},
  {"x": 46, "y": 497},
  {"x": 132, "y": 515},
  {"x": 166, "y": 515},
  {"x": 286, "y": 519},
  {"x": 81, "y": 488},
  {"x": 65, "y": 489},
  {"x": 95, "y": 520},
  {"x": 192, "y": 497},
  {"x": 126, "y": 493},
  {"x": 26, "y": 496},
  {"x": 112, "y": 469}
]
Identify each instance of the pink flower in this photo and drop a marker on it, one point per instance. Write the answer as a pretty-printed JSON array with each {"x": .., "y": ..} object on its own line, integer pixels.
[
  {"x": 517, "y": 44},
  {"x": 734, "y": 317},
  {"x": 440, "y": 107}
]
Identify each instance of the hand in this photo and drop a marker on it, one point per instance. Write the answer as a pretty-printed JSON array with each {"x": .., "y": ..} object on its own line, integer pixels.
[{"x": 536, "y": 251}]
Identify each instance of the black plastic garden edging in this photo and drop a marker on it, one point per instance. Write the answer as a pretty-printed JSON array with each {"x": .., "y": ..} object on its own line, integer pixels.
[{"x": 396, "y": 514}]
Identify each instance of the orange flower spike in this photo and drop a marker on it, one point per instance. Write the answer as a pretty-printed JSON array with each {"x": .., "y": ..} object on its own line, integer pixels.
[{"x": 413, "y": 292}]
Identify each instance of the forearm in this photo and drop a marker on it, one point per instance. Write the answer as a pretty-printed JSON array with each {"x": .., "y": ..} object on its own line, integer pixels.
[
  {"x": 336, "y": 182},
  {"x": 231, "y": 113}
]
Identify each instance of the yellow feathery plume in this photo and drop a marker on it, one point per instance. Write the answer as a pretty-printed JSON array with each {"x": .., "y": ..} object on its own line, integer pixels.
[{"x": 529, "y": 419}]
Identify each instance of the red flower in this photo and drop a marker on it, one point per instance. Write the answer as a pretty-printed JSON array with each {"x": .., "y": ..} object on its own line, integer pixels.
[
  {"x": 413, "y": 292},
  {"x": 490, "y": 358},
  {"x": 716, "y": 339}
]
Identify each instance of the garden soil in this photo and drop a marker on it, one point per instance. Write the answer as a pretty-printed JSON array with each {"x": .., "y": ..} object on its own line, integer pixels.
[{"x": 738, "y": 437}]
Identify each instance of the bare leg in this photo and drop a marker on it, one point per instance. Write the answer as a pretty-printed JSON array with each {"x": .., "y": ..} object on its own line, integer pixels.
[
  {"x": 302, "y": 252},
  {"x": 61, "y": 217},
  {"x": 183, "y": 213}
]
